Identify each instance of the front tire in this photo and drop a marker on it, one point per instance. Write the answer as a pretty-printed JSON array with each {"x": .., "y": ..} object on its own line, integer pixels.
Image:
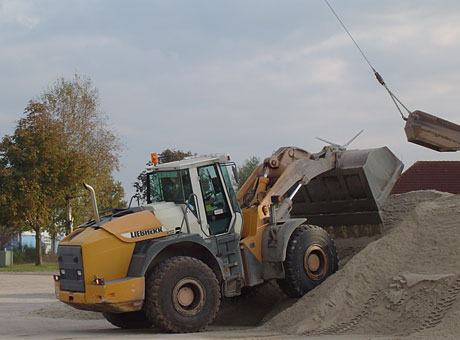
[
  {"x": 182, "y": 295},
  {"x": 311, "y": 257},
  {"x": 131, "y": 320}
]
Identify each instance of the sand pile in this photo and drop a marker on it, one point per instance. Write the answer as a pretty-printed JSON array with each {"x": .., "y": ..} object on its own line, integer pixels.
[
  {"x": 405, "y": 283},
  {"x": 398, "y": 206},
  {"x": 395, "y": 209}
]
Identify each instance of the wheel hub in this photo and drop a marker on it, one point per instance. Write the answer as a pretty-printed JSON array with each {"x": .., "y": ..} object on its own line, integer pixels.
[
  {"x": 188, "y": 296},
  {"x": 185, "y": 296},
  {"x": 315, "y": 262}
]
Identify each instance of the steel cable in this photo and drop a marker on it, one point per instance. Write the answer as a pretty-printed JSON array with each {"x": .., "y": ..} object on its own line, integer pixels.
[{"x": 376, "y": 74}]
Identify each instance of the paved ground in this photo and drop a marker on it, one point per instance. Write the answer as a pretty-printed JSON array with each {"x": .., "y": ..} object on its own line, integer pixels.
[
  {"x": 29, "y": 310},
  {"x": 24, "y": 297}
]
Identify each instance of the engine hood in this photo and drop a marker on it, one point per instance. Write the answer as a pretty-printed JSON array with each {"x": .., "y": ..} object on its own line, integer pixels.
[
  {"x": 141, "y": 223},
  {"x": 136, "y": 227}
]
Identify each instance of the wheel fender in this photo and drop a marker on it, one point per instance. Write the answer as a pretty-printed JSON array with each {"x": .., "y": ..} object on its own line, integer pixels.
[
  {"x": 274, "y": 245},
  {"x": 142, "y": 259},
  {"x": 276, "y": 238}
]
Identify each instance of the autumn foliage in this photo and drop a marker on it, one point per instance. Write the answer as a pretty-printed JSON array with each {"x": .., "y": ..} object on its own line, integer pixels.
[{"x": 62, "y": 141}]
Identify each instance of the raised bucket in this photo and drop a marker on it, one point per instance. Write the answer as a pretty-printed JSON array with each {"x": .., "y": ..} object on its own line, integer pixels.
[{"x": 352, "y": 193}]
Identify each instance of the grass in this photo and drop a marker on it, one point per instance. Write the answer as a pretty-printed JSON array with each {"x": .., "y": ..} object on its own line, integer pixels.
[{"x": 31, "y": 267}]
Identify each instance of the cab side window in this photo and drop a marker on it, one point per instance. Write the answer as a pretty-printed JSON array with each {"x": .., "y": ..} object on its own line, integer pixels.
[
  {"x": 217, "y": 209},
  {"x": 171, "y": 186}
]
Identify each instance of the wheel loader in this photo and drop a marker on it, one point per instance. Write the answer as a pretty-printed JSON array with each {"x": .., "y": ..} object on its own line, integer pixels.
[{"x": 169, "y": 263}]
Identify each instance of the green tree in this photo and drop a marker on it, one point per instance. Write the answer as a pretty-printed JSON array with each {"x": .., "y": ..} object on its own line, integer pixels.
[
  {"x": 171, "y": 155},
  {"x": 63, "y": 141},
  {"x": 31, "y": 159},
  {"x": 245, "y": 170},
  {"x": 92, "y": 145},
  {"x": 166, "y": 156},
  {"x": 4, "y": 190}
]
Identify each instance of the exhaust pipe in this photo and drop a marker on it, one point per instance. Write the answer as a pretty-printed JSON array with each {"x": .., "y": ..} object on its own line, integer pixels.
[{"x": 92, "y": 195}]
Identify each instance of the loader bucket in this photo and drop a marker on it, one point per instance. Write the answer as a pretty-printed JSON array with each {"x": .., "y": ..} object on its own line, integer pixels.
[
  {"x": 432, "y": 132},
  {"x": 353, "y": 192}
]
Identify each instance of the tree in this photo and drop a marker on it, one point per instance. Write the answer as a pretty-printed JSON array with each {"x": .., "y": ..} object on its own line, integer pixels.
[
  {"x": 166, "y": 156},
  {"x": 93, "y": 147},
  {"x": 63, "y": 141},
  {"x": 171, "y": 155},
  {"x": 244, "y": 171},
  {"x": 6, "y": 232},
  {"x": 6, "y": 235},
  {"x": 31, "y": 159},
  {"x": 110, "y": 194}
]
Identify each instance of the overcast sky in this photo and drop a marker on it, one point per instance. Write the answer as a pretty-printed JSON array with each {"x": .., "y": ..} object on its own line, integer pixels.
[{"x": 238, "y": 77}]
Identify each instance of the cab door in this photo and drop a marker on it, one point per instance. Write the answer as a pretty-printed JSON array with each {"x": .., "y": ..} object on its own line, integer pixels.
[{"x": 218, "y": 212}]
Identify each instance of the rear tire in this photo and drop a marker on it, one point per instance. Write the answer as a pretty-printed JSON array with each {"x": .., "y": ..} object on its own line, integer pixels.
[
  {"x": 311, "y": 257},
  {"x": 131, "y": 320},
  {"x": 182, "y": 295}
]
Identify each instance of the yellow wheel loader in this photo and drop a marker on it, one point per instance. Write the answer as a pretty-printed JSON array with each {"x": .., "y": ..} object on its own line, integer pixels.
[{"x": 168, "y": 263}]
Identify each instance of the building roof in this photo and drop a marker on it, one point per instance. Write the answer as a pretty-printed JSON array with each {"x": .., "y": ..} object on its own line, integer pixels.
[{"x": 425, "y": 175}]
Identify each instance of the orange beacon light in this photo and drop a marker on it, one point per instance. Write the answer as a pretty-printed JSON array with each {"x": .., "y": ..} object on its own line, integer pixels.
[{"x": 154, "y": 158}]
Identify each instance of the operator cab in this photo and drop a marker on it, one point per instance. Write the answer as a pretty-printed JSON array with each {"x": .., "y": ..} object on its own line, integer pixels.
[{"x": 202, "y": 188}]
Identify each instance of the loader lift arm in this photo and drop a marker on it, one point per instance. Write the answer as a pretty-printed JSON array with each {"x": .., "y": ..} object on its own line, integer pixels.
[
  {"x": 278, "y": 175},
  {"x": 336, "y": 187},
  {"x": 280, "y": 172},
  {"x": 268, "y": 228}
]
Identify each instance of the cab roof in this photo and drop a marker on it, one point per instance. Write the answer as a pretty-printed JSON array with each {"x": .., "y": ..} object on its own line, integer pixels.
[{"x": 190, "y": 162}]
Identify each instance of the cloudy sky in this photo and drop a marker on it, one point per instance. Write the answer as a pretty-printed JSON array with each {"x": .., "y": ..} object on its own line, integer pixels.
[{"x": 238, "y": 77}]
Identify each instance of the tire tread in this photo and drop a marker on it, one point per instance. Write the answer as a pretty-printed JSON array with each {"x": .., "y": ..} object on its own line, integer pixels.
[
  {"x": 290, "y": 285},
  {"x": 130, "y": 320},
  {"x": 153, "y": 284}
]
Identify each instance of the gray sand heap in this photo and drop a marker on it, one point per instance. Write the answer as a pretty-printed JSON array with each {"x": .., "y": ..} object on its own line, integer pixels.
[{"x": 404, "y": 283}]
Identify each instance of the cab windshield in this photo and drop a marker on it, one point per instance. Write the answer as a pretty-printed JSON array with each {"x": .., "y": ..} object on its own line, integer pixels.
[{"x": 169, "y": 186}]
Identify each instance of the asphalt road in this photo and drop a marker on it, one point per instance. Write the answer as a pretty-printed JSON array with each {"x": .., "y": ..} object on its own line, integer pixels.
[{"x": 27, "y": 303}]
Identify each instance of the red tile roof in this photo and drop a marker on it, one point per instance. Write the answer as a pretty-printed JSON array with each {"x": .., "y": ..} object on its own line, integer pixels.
[{"x": 424, "y": 175}]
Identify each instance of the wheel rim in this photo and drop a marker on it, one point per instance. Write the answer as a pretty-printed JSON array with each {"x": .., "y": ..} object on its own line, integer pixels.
[
  {"x": 189, "y": 296},
  {"x": 315, "y": 262}
]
